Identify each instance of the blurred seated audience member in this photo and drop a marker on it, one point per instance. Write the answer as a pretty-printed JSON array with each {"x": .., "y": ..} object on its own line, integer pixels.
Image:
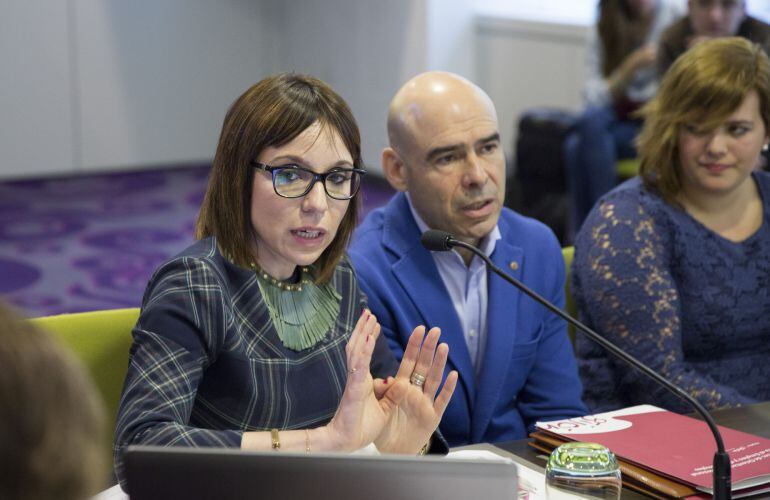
[
  {"x": 621, "y": 76},
  {"x": 258, "y": 336},
  {"x": 708, "y": 19},
  {"x": 673, "y": 265},
  {"x": 51, "y": 421}
]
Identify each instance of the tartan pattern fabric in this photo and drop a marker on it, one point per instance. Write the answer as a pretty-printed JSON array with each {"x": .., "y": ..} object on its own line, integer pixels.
[{"x": 206, "y": 363}]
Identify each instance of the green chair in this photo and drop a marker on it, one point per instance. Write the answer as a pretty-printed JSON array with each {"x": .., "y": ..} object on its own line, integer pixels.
[
  {"x": 101, "y": 340},
  {"x": 571, "y": 307},
  {"x": 627, "y": 168}
]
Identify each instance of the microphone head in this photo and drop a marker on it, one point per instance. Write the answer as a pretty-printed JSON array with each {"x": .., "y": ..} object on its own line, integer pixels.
[{"x": 436, "y": 240}]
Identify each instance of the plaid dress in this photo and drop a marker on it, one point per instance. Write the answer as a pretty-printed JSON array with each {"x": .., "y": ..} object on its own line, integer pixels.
[{"x": 206, "y": 363}]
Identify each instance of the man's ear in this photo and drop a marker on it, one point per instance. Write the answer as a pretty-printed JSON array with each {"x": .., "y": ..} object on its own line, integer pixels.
[{"x": 394, "y": 169}]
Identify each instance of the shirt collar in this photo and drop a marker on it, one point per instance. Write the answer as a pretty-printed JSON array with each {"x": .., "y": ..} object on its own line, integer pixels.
[{"x": 486, "y": 245}]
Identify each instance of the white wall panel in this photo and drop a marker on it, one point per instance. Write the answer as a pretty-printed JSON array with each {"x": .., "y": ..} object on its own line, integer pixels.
[
  {"x": 36, "y": 118},
  {"x": 106, "y": 84},
  {"x": 524, "y": 64},
  {"x": 365, "y": 49},
  {"x": 156, "y": 77},
  {"x": 451, "y": 38}
]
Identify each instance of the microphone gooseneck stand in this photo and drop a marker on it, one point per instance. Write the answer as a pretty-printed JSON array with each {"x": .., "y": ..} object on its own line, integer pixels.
[{"x": 439, "y": 241}]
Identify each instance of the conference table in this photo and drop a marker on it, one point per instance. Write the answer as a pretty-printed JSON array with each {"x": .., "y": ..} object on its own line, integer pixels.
[{"x": 754, "y": 419}]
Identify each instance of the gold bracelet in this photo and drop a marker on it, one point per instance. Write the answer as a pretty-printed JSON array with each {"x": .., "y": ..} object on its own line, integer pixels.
[
  {"x": 275, "y": 439},
  {"x": 307, "y": 440},
  {"x": 424, "y": 449}
]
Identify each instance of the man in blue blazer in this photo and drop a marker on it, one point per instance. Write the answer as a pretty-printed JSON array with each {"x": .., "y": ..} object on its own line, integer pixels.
[{"x": 514, "y": 358}]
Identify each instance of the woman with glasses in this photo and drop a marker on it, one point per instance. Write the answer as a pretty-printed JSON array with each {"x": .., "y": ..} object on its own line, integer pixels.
[{"x": 258, "y": 336}]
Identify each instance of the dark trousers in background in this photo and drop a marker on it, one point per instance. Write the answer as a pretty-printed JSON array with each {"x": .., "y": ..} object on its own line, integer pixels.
[{"x": 592, "y": 149}]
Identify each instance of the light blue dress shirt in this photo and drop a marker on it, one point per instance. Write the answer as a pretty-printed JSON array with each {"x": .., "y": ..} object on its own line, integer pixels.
[{"x": 467, "y": 287}]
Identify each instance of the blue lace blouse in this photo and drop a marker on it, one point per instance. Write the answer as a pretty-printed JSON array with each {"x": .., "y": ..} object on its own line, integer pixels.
[{"x": 691, "y": 304}]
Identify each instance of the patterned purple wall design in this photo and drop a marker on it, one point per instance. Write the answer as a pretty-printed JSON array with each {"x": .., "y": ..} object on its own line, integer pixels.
[{"x": 92, "y": 242}]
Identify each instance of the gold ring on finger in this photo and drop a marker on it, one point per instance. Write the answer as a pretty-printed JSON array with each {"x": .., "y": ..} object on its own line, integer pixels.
[{"x": 417, "y": 379}]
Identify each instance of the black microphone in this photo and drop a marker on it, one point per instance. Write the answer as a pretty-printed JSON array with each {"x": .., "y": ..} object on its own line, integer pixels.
[
  {"x": 441, "y": 241},
  {"x": 436, "y": 241}
]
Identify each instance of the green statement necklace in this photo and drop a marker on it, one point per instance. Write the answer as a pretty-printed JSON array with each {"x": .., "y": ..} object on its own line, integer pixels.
[{"x": 302, "y": 312}]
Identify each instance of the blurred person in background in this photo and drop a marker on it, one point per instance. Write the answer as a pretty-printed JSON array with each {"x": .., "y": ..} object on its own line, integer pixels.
[
  {"x": 621, "y": 76},
  {"x": 708, "y": 19}
]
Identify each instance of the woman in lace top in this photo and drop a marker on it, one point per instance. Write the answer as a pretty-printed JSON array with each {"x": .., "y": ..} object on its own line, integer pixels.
[{"x": 674, "y": 266}]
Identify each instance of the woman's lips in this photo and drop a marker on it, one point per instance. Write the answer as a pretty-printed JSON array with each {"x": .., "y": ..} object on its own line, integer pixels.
[
  {"x": 308, "y": 236},
  {"x": 715, "y": 168}
]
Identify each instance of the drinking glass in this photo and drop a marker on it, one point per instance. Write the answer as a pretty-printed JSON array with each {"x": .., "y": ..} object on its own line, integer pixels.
[{"x": 586, "y": 469}]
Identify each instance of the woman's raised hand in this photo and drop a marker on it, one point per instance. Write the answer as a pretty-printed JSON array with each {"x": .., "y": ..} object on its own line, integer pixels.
[
  {"x": 641, "y": 58},
  {"x": 361, "y": 417},
  {"x": 420, "y": 410}
]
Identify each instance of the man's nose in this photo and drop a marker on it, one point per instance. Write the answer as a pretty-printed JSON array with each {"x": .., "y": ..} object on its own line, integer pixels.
[{"x": 474, "y": 174}]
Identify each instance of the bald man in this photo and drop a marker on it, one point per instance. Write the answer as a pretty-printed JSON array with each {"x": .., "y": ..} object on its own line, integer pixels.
[{"x": 514, "y": 358}]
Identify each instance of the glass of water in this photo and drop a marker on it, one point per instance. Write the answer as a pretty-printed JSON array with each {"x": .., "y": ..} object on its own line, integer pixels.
[{"x": 586, "y": 469}]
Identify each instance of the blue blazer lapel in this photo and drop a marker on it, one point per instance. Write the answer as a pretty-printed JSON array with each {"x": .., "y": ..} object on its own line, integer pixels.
[
  {"x": 416, "y": 271},
  {"x": 502, "y": 307}
]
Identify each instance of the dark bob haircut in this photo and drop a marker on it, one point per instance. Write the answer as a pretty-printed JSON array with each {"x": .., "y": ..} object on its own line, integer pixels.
[{"x": 272, "y": 113}]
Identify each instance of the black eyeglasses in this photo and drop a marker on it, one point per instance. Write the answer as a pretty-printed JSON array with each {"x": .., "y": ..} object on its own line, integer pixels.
[{"x": 293, "y": 181}]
